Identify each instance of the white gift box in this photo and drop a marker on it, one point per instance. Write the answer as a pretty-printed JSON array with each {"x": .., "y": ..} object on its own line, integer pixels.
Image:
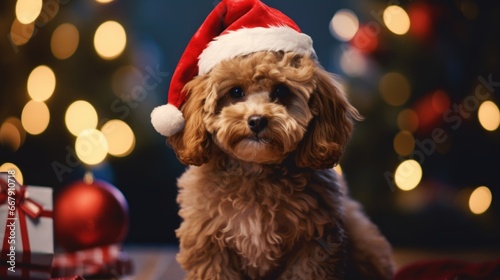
[{"x": 26, "y": 230}]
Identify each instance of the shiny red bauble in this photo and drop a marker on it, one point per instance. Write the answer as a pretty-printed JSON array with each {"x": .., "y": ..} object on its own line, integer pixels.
[{"x": 90, "y": 214}]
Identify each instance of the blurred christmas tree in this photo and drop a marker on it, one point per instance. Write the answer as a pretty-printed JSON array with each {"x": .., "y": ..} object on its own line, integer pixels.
[
  {"x": 77, "y": 89},
  {"x": 425, "y": 76}
]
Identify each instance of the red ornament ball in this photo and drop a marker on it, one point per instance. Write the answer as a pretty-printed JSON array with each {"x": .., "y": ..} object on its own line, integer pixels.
[{"x": 88, "y": 215}]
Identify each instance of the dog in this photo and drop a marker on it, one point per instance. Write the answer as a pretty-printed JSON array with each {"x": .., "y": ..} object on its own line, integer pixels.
[
  {"x": 261, "y": 125},
  {"x": 260, "y": 199}
]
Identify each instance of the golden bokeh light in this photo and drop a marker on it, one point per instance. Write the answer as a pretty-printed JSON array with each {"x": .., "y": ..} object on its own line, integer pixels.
[
  {"x": 110, "y": 40},
  {"x": 344, "y": 25},
  {"x": 104, "y": 1},
  {"x": 408, "y": 175},
  {"x": 49, "y": 11},
  {"x": 41, "y": 83},
  {"x": 21, "y": 33},
  {"x": 396, "y": 19},
  {"x": 408, "y": 120},
  {"x": 120, "y": 138},
  {"x": 404, "y": 143},
  {"x": 79, "y": 116},
  {"x": 6, "y": 167},
  {"x": 394, "y": 88},
  {"x": 480, "y": 200},
  {"x": 91, "y": 146},
  {"x": 469, "y": 8},
  {"x": 35, "y": 117},
  {"x": 10, "y": 135},
  {"x": 64, "y": 41},
  {"x": 489, "y": 116},
  {"x": 28, "y": 10},
  {"x": 338, "y": 169},
  {"x": 19, "y": 125}
]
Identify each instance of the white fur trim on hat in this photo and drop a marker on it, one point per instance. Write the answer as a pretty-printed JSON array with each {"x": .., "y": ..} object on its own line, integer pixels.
[
  {"x": 167, "y": 119},
  {"x": 249, "y": 40}
]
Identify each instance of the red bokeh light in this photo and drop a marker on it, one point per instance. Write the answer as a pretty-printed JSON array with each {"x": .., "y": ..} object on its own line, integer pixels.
[
  {"x": 366, "y": 39},
  {"x": 421, "y": 20}
]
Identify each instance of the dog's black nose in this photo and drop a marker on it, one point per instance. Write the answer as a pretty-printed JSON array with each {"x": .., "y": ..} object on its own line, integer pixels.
[{"x": 257, "y": 123}]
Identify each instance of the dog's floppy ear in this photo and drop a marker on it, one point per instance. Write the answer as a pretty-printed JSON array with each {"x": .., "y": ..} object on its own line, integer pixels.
[
  {"x": 192, "y": 144},
  {"x": 331, "y": 126}
]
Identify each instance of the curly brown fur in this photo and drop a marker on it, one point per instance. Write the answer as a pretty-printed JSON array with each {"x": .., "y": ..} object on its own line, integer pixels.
[{"x": 265, "y": 203}]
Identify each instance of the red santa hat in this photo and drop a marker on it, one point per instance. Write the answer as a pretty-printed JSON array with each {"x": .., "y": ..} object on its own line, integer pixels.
[{"x": 233, "y": 28}]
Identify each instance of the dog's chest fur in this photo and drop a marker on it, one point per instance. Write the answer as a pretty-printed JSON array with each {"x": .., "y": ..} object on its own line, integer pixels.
[{"x": 258, "y": 213}]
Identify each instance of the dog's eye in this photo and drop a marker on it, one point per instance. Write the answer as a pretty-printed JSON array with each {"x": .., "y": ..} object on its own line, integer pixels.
[
  {"x": 236, "y": 93},
  {"x": 280, "y": 91}
]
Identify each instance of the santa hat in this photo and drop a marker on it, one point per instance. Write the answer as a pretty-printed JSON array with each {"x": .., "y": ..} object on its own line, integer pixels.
[{"x": 233, "y": 28}]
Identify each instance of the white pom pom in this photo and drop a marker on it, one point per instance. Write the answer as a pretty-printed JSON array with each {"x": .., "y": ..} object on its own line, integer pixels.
[{"x": 167, "y": 119}]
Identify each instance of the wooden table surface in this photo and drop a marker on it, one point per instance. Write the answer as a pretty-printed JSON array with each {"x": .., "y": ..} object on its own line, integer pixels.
[{"x": 158, "y": 262}]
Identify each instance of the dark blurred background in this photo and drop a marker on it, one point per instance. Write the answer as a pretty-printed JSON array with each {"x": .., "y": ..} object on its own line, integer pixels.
[{"x": 424, "y": 74}]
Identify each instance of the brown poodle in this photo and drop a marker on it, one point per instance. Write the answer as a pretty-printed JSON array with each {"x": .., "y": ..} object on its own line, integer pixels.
[{"x": 260, "y": 199}]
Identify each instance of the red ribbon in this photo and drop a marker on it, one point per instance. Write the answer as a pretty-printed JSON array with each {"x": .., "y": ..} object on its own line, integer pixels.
[{"x": 25, "y": 206}]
